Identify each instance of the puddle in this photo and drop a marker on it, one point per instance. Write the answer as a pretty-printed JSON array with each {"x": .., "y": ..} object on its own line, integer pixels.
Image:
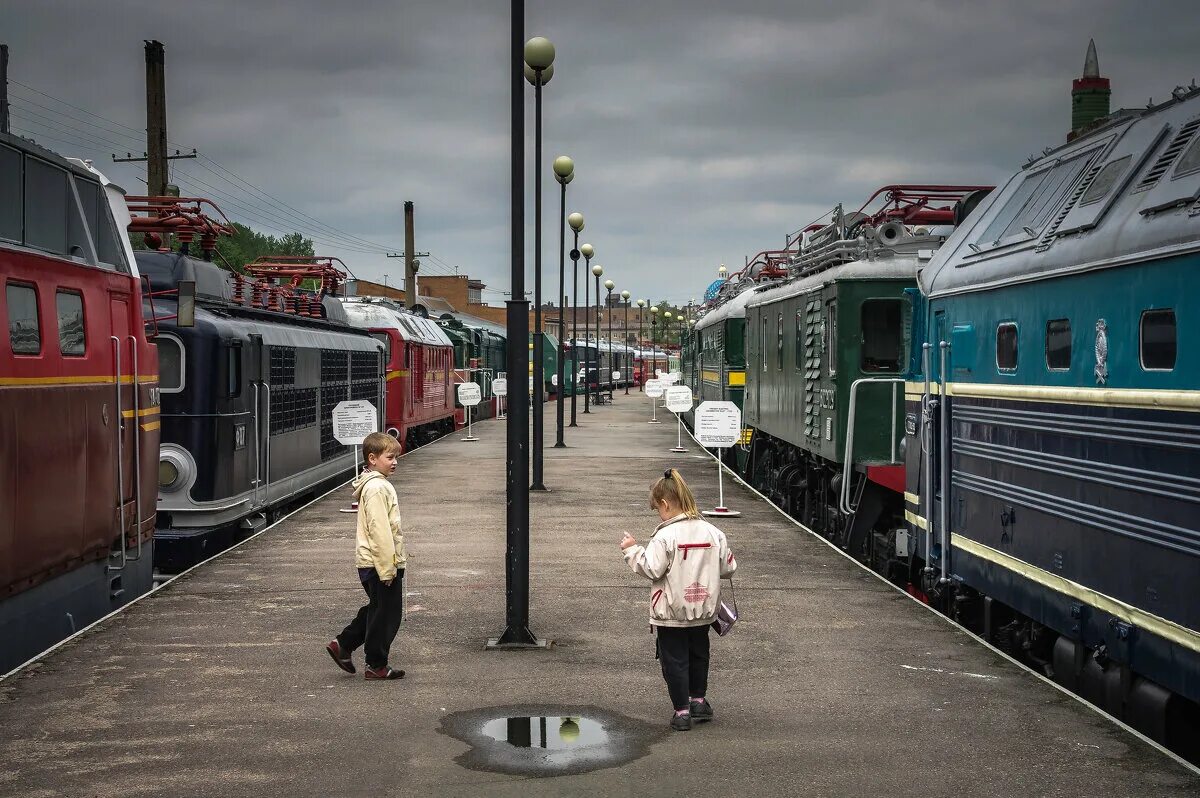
[{"x": 548, "y": 741}]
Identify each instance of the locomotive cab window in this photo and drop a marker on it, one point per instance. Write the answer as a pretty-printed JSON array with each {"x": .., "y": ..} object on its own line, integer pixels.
[
  {"x": 11, "y": 194},
  {"x": 882, "y": 335},
  {"x": 24, "y": 328},
  {"x": 170, "y": 364},
  {"x": 384, "y": 339},
  {"x": 71, "y": 335},
  {"x": 1058, "y": 344},
  {"x": 46, "y": 206},
  {"x": 1157, "y": 340},
  {"x": 1006, "y": 347}
]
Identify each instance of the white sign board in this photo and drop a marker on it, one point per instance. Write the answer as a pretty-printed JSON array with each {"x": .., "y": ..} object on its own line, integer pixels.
[
  {"x": 500, "y": 386},
  {"x": 669, "y": 379},
  {"x": 654, "y": 389},
  {"x": 469, "y": 394},
  {"x": 676, "y": 376},
  {"x": 658, "y": 372},
  {"x": 718, "y": 424},
  {"x": 554, "y": 379},
  {"x": 679, "y": 399},
  {"x": 353, "y": 421},
  {"x": 616, "y": 375}
]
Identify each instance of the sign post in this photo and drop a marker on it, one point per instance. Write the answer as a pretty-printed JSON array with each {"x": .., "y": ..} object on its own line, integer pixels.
[
  {"x": 719, "y": 426},
  {"x": 500, "y": 391},
  {"x": 679, "y": 400},
  {"x": 353, "y": 421},
  {"x": 654, "y": 390},
  {"x": 469, "y": 396}
]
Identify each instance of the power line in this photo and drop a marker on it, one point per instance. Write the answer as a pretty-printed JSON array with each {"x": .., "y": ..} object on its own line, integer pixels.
[
  {"x": 38, "y": 119},
  {"x": 86, "y": 111}
]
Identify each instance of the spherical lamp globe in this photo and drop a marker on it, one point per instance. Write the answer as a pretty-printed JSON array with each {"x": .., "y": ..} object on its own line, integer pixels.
[
  {"x": 576, "y": 222},
  {"x": 597, "y": 270},
  {"x": 588, "y": 250},
  {"x": 609, "y": 285},
  {"x": 563, "y": 167},
  {"x": 641, "y": 303},
  {"x": 531, "y": 75},
  {"x": 625, "y": 295},
  {"x": 539, "y": 52}
]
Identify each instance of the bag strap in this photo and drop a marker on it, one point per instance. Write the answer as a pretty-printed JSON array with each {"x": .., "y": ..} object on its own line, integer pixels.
[{"x": 732, "y": 595}]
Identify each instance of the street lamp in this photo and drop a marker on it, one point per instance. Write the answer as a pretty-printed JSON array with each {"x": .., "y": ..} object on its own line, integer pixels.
[
  {"x": 628, "y": 359},
  {"x": 516, "y": 560},
  {"x": 539, "y": 57},
  {"x": 641, "y": 303},
  {"x": 654, "y": 330},
  {"x": 597, "y": 270},
  {"x": 564, "y": 172},
  {"x": 609, "y": 285},
  {"x": 588, "y": 251},
  {"x": 576, "y": 222}
]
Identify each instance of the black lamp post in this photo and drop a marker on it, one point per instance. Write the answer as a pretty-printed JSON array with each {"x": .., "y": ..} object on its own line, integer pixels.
[
  {"x": 597, "y": 270},
  {"x": 516, "y": 561},
  {"x": 609, "y": 285},
  {"x": 564, "y": 172},
  {"x": 628, "y": 357},
  {"x": 539, "y": 60},
  {"x": 641, "y": 303},
  {"x": 576, "y": 222},
  {"x": 588, "y": 251}
]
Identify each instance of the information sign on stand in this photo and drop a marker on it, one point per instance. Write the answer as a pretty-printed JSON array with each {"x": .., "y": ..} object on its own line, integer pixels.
[
  {"x": 353, "y": 421},
  {"x": 654, "y": 390},
  {"x": 719, "y": 426},
  {"x": 679, "y": 400},
  {"x": 469, "y": 395},
  {"x": 500, "y": 391}
]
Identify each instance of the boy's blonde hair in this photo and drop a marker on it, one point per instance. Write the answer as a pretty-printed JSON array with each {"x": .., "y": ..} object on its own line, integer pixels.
[
  {"x": 671, "y": 488},
  {"x": 378, "y": 443}
]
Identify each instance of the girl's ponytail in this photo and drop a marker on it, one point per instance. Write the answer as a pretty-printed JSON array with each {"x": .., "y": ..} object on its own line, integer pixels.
[{"x": 672, "y": 489}]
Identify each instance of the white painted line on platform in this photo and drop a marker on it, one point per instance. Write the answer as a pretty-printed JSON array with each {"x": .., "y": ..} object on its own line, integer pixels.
[{"x": 949, "y": 673}]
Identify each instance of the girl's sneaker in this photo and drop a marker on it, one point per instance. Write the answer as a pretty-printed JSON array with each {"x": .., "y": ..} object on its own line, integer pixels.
[
  {"x": 385, "y": 672},
  {"x": 681, "y": 722},
  {"x": 701, "y": 710}
]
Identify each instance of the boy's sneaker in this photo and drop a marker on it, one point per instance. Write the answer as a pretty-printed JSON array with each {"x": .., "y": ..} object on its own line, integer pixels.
[
  {"x": 385, "y": 672},
  {"x": 701, "y": 710},
  {"x": 681, "y": 722},
  {"x": 344, "y": 662}
]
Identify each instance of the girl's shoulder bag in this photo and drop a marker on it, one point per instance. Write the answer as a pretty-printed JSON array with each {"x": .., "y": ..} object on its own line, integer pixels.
[{"x": 727, "y": 612}]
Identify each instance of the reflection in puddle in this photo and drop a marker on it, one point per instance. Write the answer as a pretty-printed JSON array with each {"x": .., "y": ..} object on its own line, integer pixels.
[{"x": 546, "y": 731}]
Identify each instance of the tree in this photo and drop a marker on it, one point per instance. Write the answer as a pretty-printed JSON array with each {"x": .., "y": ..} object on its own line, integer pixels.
[{"x": 245, "y": 245}]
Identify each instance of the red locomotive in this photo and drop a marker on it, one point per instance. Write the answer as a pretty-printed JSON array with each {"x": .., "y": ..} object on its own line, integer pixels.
[
  {"x": 79, "y": 425},
  {"x": 420, "y": 369}
]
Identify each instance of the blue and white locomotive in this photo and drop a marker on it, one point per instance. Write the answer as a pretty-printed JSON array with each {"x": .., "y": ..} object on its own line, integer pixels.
[{"x": 1053, "y": 419}]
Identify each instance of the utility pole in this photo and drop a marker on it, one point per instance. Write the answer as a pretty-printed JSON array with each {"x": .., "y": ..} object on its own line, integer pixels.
[
  {"x": 156, "y": 156},
  {"x": 410, "y": 258},
  {"x": 3, "y": 88}
]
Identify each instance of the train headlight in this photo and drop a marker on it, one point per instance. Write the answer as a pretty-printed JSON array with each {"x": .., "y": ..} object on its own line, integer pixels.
[{"x": 176, "y": 468}]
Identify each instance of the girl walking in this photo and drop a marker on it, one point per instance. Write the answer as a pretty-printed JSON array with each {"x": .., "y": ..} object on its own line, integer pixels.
[{"x": 685, "y": 560}]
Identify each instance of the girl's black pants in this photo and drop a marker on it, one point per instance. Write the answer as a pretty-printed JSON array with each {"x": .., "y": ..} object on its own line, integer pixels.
[
  {"x": 683, "y": 653},
  {"x": 377, "y": 622}
]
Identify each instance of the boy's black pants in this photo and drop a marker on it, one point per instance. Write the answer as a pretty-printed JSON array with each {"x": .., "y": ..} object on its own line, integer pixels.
[
  {"x": 683, "y": 653},
  {"x": 377, "y": 622}
]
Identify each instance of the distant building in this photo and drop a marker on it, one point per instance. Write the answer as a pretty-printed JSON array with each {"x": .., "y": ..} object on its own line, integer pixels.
[{"x": 1090, "y": 94}]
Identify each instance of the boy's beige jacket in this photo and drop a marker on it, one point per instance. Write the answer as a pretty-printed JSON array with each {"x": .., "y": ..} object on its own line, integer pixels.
[
  {"x": 685, "y": 560},
  {"x": 380, "y": 542}
]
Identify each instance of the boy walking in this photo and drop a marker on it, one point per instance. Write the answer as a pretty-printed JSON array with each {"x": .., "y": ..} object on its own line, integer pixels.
[{"x": 380, "y": 557}]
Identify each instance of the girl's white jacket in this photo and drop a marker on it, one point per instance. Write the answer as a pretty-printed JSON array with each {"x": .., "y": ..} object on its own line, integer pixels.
[{"x": 685, "y": 561}]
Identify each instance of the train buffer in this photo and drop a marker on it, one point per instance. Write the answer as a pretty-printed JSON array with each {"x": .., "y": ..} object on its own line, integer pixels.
[{"x": 832, "y": 684}]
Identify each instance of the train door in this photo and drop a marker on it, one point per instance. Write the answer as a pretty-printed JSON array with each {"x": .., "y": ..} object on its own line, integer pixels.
[
  {"x": 125, "y": 420},
  {"x": 257, "y": 365}
]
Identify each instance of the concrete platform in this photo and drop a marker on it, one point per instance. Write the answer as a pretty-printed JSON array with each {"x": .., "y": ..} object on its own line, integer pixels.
[{"x": 832, "y": 685}]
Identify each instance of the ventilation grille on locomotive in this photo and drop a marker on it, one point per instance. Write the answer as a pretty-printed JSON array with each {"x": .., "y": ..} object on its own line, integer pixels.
[
  {"x": 293, "y": 409},
  {"x": 283, "y": 365}
]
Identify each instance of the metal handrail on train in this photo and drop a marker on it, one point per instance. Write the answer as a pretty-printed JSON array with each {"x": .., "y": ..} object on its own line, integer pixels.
[
  {"x": 257, "y": 448},
  {"x": 926, "y": 482},
  {"x": 120, "y": 452},
  {"x": 847, "y": 457},
  {"x": 137, "y": 454},
  {"x": 267, "y": 466}
]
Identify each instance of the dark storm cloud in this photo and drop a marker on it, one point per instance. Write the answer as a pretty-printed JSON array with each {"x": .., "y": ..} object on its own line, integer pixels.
[{"x": 702, "y": 131}]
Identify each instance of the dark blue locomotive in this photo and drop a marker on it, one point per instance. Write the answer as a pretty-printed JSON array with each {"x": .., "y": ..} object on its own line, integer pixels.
[
  {"x": 247, "y": 399},
  {"x": 1053, "y": 418}
]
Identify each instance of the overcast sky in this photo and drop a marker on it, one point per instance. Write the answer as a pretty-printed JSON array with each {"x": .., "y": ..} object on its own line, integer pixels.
[{"x": 702, "y": 131}]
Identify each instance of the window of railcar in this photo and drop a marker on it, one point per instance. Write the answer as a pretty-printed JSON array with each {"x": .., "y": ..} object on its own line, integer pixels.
[
  {"x": 1190, "y": 162},
  {"x": 1006, "y": 347},
  {"x": 1158, "y": 341},
  {"x": 71, "y": 336},
  {"x": 82, "y": 221},
  {"x": 1058, "y": 344},
  {"x": 882, "y": 338},
  {"x": 46, "y": 206},
  {"x": 386, "y": 340},
  {"x": 1103, "y": 182},
  {"x": 233, "y": 371},
  {"x": 799, "y": 340},
  {"x": 11, "y": 194},
  {"x": 24, "y": 327},
  {"x": 108, "y": 241},
  {"x": 170, "y": 364},
  {"x": 779, "y": 344}
]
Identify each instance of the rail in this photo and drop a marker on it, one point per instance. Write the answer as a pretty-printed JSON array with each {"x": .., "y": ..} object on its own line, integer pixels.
[
  {"x": 120, "y": 450},
  {"x": 848, "y": 454}
]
